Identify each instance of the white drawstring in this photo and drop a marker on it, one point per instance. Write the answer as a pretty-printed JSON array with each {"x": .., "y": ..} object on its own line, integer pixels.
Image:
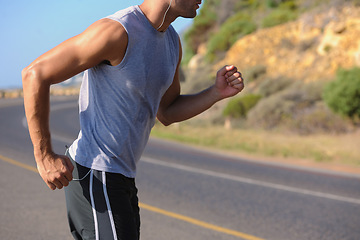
[{"x": 80, "y": 179}]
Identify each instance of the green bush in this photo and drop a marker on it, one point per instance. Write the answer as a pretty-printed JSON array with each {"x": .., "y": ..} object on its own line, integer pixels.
[
  {"x": 274, "y": 3},
  {"x": 233, "y": 28},
  {"x": 279, "y": 16},
  {"x": 343, "y": 94},
  {"x": 273, "y": 85},
  {"x": 248, "y": 4},
  {"x": 304, "y": 92},
  {"x": 198, "y": 79},
  {"x": 239, "y": 107},
  {"x": 254, "y": 73},
  {"x": 198, "y": 32},
  {"x": 270, "y": 112},
  {"x": 319, "y": 119},
  {"x": 202, "y": 23},
  {"x": 291, "y": 4},
  {"x": 285, "y": 106},
  {"x": 288, "y": 4}
]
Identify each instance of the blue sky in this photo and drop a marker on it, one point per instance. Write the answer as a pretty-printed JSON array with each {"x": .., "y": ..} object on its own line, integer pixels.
[{"x": 30, "y": 28}]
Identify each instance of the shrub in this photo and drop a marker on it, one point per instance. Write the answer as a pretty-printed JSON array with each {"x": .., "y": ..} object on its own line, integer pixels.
[
  {"x": 253, "y": 73},
  {"x": 270, "y": 112},
  {"x": 233, "y": 28},
  {"x": 279, "y": 16},
  {"x": 290, "y": 4},
  {"x": 239, "y": 107},
  {"x": 272, "y": 3},
  {"x": 198, "y": 33},
  {"x": 285, "y": 106},
  {"x": 198, "y": 79},
  {"x": 319, "y": 119},
  {"x": 343, "y": 94},
  {"x": 273, "y": 85},
  {"x": 301, "y": 91},
  {"x": 248, "y": 4}
]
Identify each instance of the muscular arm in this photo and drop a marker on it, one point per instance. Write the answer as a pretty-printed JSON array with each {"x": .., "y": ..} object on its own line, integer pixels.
[
  {"x": 104, "y": 40},
  {"x": 175, "y": 107}
]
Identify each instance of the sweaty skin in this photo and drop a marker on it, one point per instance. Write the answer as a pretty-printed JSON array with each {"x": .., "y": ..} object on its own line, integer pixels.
[{"x": 106, "y": 40}]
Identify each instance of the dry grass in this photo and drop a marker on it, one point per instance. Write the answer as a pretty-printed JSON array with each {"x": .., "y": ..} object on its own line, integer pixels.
[{"x": 342, "y": 150}]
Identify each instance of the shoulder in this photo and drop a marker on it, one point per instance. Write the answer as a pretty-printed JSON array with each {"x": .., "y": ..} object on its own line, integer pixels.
[
  {"x": 113, "y": 24},
  {"x": 124, "y": 16},
  {"x": 123, "y": 13},
  {"x": 105, "y": 31},
  {"x": 107, "y": 26},
  {"x": 106, "y": 39}
]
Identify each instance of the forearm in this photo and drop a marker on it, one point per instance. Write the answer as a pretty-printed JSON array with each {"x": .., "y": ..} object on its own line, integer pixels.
[
  {"x": 187, "y": 106},
  {"x": 175, "y": 107},
  {"x": 36, "y": 102}
]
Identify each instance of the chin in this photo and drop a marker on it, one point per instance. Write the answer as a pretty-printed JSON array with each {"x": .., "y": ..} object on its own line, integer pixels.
[{"x": 190, "y": 15}]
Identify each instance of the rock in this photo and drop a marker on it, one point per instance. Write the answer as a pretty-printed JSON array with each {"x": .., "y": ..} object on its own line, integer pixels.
[
  {"x": 195, "y": 61},
  {"x": 331, "y": 38}
]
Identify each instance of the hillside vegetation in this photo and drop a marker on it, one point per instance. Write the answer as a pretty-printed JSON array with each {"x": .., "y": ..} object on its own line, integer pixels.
[
  {"x": 221, "y": 23},
  {"x": 288, "y": 51}
]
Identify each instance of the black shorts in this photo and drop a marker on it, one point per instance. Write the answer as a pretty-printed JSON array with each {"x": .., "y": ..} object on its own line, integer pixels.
[{"x": 102, "y": 205}]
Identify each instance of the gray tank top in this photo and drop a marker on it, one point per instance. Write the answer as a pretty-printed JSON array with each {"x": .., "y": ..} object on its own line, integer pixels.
[{"x": 118, "y": 104}]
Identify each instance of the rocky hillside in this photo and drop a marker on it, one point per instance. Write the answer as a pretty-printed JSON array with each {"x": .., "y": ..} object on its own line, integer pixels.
[
  {"x": 288, "y": 65},
  {"x": 311, "y": 48}
]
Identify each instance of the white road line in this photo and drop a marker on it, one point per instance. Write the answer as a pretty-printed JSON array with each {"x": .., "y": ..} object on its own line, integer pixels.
[
  {"x": 54, "y": 136},
  {"x": 216, "y": 174},
  {"x": 251, "y": 181},
  {"x": 63, "y": 106}
]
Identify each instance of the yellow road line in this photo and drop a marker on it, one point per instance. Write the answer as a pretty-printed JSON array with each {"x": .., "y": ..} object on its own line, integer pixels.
[
  {"x": 160, "y": 211},
  {"x": 19, "y": 164},
  {"x": 198, "y": 222}
]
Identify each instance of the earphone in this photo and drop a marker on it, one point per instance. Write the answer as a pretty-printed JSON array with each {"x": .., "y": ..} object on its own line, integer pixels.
[{"x": 165, "y": 15}]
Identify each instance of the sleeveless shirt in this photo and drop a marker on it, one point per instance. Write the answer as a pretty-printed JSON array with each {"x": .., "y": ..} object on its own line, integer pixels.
[{"x": 118, "y": 104}]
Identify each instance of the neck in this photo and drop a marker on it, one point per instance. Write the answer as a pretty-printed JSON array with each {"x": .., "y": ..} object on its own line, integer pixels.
[{"x": 158, "y": 13}]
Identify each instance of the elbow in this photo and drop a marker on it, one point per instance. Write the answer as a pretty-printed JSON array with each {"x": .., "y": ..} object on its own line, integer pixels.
[
  {"x": 164, "y": 121},
  {"x": 25, "y": 75},
  {"x": 31, "y": 77},
  {"x": 28, "y": 74}
]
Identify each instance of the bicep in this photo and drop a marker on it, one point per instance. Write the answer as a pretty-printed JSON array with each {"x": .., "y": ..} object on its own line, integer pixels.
[
  {"x": 59, "y": 64},
  {"x": 94, "y": 45}
]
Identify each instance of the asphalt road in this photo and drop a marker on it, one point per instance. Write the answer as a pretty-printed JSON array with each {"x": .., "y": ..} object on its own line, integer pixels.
[{"x": 185, "y": 193}]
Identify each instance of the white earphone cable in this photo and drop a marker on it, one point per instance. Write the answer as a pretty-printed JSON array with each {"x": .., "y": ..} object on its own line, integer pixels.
[{"x": 165, "y": 15}]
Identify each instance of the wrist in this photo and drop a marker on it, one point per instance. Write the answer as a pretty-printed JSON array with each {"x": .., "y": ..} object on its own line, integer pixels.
[
  {"x": 42, "y": 151},
  {"x": 215, "y": 94}
]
